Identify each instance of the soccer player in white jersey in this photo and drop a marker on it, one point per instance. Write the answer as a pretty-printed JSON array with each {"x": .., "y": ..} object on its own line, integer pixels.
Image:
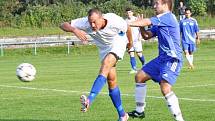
[
  {"x": 165, "y": 68},
  {"x": 190, "y": 36},
  {"x": 111, "y": 34},
  {"x": 137, "y": 43}
]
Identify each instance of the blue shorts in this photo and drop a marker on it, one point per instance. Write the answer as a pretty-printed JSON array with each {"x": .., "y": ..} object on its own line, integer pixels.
[
  {"x": 189, "y": 47},
  {"x": 167, "y": 70}
]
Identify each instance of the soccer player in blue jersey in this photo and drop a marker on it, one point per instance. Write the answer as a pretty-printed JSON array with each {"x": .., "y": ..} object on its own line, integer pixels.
[
  {"x": 165, "y": 68},
  {"x": 190, "y": 36},
  {"x": 111, "y": 34}
]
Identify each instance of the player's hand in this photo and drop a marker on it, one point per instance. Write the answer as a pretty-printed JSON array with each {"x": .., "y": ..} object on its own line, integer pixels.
[
  {"x": 81, "y": 35},
  {"x": 140, "y": 17}
]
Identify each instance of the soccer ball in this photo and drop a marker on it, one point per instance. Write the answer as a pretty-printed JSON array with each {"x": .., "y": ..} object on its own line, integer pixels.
[{"x": 25, "y": 72}]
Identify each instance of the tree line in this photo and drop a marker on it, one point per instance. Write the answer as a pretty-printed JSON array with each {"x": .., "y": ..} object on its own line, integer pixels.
[{"x": 39, "y": 13}]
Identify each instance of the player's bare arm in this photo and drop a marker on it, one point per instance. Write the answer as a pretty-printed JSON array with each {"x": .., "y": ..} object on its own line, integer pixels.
[
  {"x": 129, "y": 36},
  {"x": 145, "y": 34},
  {"x": 66, "y": 26},
  {"x": 140, "y": 22},
  {"x": 197, "y": 38}
]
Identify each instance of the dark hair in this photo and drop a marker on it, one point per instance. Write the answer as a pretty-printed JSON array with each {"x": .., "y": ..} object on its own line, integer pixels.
[
  {"x": 188, "y": 9},
  {"x": 94, "y": 10},
  {"x": 170, "y": 3},
  {"x": 128, "y": 9}
]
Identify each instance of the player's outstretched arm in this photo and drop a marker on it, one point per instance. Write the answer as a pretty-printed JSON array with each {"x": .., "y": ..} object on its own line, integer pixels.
[{"x": 66, "y": 26}]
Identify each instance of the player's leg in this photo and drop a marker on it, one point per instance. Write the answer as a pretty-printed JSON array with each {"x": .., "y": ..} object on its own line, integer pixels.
[
  {"x": 191, "y": 50},
  {"x": 171, "y": 100},
  {"x": 169, "y": 72},
  {"x": 114, "y": 94},
  {"x": 132, "y": 61},
  {"x": 108, "y": 62},
  {"x": 141, "y": 57},
  {"x": 140, "y": 94},
  {"x": 150, "y": 70},
  {"x": 139, "y": 49},
  {"x": 186, "y": 48}
]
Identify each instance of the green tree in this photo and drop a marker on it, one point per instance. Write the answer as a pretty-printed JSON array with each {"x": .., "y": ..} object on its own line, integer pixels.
[{"x": 198, "y": 7}]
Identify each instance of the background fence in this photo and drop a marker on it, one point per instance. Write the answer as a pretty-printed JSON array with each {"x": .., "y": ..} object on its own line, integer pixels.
[{"x": 59, "y": 40}]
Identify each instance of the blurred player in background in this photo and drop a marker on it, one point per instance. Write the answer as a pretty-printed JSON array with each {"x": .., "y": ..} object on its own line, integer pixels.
[
  {"x": 181, "y": 10},
  {"x": 190, "y": 36},
  {"x": 111, "y": 34},
  {"x": 137, "y": 44},
  {"x": 165, "y": 68}
]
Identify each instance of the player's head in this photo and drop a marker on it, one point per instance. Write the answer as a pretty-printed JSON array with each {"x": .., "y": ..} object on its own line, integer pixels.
[
  {"x": 96, "y": 19},
  {"x": 129, "y": 12},
  {"x": 162, "y": 6},
  {"x": 181, "y": 4},
  {"x": 188, "y": 12}
]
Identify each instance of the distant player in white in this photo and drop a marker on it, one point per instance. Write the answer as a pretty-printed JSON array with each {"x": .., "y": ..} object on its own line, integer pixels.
[
  {"x": 190, "y": 36},
  {"x": 111, "y": 34},
  {"x": 137, "y": 44}
]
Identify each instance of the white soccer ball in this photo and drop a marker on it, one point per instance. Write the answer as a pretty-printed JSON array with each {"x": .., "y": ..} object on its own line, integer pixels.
[{"x": 26, "y": 72}]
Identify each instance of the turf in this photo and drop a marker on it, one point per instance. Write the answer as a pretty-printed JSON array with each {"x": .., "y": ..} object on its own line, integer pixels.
[{"x": 61, "y": 79}]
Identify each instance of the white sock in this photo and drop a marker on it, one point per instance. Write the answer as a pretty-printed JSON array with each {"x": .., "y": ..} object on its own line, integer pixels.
[
  {"x": 140, "y": 96},
  {"x": 191, "y": 59},
  {"x": 173, "y": 105},
  {"x": 188, "y": 59}
]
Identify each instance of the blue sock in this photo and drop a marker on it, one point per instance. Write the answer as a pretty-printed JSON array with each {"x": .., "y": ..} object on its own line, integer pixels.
[
  {"x": 133, "y": 63},
  {"x": 116, "y": 99},
  {"x": 96, "y": 88},
  {"x": 142, "y": 59}
]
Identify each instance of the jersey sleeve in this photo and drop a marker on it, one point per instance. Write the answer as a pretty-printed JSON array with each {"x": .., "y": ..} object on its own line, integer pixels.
[
  {"x": 80, "y": 23},
  {"x": 153, "y": 30},
  {"x": 155, "y": 21}
]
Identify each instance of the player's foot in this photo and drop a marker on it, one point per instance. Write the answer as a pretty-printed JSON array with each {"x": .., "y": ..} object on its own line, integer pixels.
[
  {"x": 124, "y": 118},
  {"x": 133, "y": 71},
  {"x": 135, "y": 114},
  {"x": 191, "y": 67},
  {"x": 84, "y": 103}
]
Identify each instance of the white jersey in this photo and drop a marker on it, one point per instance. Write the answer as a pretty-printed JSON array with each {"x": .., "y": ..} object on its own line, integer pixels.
[
  {"x": 136, "y": 35},
  {"x": 111, "y": 38}
]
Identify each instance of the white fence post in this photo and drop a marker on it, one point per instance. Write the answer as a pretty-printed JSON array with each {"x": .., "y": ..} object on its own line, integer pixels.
[
  {"x": 2, "y": 50},
  {"x": 35, "y": 48},
  {"x": 68, "y": 49}
]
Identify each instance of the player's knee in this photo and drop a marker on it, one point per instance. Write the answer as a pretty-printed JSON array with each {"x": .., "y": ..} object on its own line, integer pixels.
[
  {"x": 165, "y": 88},
  {"x": 112, "y": 83},
  {"x": 140, "y": 77}
]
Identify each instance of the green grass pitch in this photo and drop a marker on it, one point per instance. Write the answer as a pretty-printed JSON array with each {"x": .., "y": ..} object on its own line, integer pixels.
[{"x": 61, "y": 79}]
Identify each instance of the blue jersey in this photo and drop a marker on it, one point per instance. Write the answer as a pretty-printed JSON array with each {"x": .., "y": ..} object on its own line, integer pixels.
[
  {"x": 166, "y": 28},
  {"x": 189, "y": 28}
]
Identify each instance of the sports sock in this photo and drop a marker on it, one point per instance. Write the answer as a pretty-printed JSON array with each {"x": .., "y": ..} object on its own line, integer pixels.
[
  {"x": 140, "y": 96},
  {"x": 96, "y": 88},
  {"x": 116, "y": 99},
  {"x": 173, "y": 105},
  {"x": 188, "y": 59},
  {"x": 191, "y": 59},
  {"x": 133, "y": 63},
  {"x": 142, "y": 59}
]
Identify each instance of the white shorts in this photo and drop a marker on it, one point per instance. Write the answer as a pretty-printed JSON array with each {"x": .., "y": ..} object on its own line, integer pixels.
[
  {"x": 137, "y": 47},
  {"x": 117, "y": 47}
]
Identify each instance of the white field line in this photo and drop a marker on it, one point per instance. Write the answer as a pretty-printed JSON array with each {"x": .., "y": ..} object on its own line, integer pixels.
[
  {"x": 193, "y": 86},
  {"x": 103, "y": 93}
]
